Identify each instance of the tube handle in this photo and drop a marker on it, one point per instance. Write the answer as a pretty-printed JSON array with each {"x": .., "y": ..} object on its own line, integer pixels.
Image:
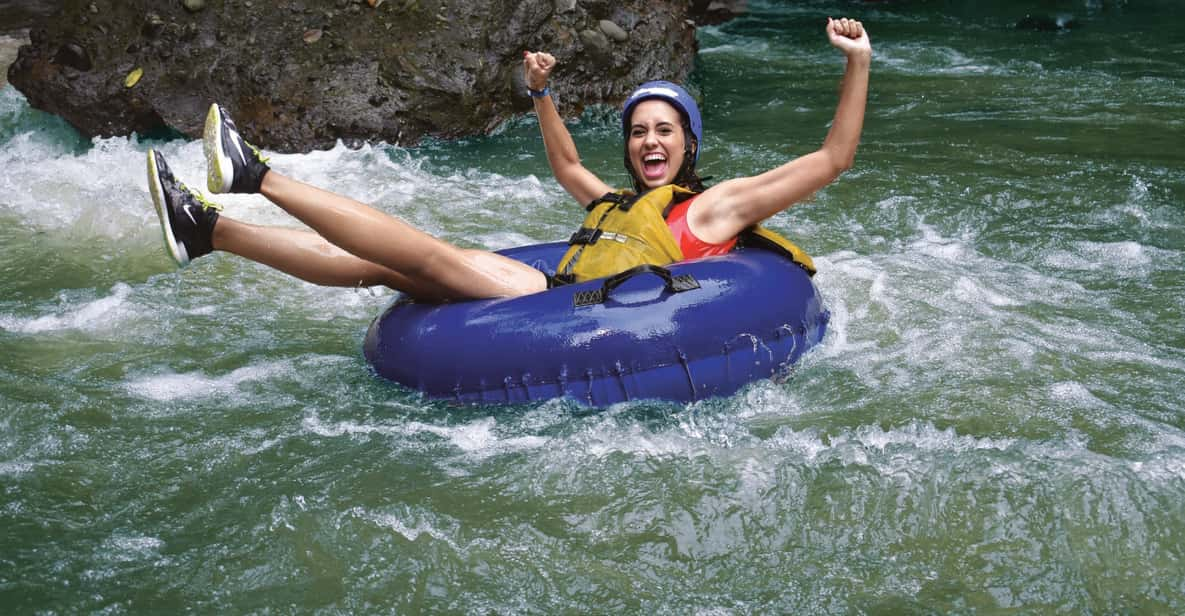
[{"x": 671, "y": 283}]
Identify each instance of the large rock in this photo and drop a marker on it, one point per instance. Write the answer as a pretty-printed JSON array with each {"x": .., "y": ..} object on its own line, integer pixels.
[{"x": 301, "y": 74}]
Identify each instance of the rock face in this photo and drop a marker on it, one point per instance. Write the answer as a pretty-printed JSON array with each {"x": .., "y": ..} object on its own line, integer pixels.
[{"x": 301, "y": 74}]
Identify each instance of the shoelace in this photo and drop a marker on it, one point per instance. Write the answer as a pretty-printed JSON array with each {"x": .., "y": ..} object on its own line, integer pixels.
[
  {"x": 201, "y": 199},
  {"x": 258, "y": 155}
]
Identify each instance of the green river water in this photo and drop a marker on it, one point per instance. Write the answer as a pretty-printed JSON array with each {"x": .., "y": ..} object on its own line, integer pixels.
[{"x": 994, "y": 423}]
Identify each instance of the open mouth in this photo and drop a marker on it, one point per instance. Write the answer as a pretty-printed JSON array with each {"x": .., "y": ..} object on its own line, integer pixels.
[{"x": 654, "y": 165}]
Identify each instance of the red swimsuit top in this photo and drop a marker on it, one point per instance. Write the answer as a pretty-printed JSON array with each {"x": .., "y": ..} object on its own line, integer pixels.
[{"x": 692, "y": 246}]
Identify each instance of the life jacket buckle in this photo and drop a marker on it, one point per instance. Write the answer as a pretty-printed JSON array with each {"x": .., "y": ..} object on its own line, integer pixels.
[{"x": 584, "y": 235}]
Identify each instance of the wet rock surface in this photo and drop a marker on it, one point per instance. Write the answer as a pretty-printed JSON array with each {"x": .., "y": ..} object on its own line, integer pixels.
[
  {"x": 300, "y": 74},
  {"x": 16, "y": 16}
]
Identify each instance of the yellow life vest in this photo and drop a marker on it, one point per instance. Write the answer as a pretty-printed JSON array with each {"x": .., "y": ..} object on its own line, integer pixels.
[
  {"x": 759, "y": 237},
  {"x": 623, "y": 230}
]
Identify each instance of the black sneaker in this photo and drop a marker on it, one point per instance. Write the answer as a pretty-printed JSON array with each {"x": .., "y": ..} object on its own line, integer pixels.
[
  {"x": 186, "y": 218},
  {"x": 232, "y": 164}
]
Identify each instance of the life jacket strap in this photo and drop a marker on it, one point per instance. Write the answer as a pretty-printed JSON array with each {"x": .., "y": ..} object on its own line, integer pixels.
[
  {"x": 676, "y": 199},
  {"x": 609, "y": 197}
]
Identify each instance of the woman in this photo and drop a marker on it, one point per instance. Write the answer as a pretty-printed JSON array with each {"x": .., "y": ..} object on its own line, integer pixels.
[{"x": 352, "y": 244}]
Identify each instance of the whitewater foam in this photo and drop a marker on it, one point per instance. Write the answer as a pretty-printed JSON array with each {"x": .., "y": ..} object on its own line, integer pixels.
[
  {"x": 198, "y": 385},
  {"x": 102, "y": 314}
]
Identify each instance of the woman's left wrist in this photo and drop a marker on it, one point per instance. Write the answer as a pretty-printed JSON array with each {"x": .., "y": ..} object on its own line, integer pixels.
[
  {"x": 860, "y": 56},
  {"x": 538, "y": 93}
]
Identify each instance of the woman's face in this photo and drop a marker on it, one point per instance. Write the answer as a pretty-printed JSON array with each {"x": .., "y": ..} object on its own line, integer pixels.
[{"x": 655, "y": 142}]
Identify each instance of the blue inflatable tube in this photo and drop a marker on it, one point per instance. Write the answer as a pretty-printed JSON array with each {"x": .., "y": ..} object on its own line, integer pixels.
[{"x": 748, "y": 315}]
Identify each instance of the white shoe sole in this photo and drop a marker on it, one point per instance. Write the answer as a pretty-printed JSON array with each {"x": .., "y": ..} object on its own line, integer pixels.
[
  {"x": 219, "y": 168},
  {"x": 176, "y": 250}
]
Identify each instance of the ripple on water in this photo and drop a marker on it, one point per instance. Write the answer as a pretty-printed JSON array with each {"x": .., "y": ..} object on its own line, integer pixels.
[{"x": 478, "y": 439}]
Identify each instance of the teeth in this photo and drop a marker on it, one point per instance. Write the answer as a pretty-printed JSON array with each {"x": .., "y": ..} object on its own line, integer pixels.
[{"x": 653, "y": 156}]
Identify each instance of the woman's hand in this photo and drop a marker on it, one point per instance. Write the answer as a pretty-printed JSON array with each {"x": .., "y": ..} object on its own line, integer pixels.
[
  {"x": 848, "y": 36},
  {"x": 729, "y": 207},
  {"x": 537, "y": 68}
]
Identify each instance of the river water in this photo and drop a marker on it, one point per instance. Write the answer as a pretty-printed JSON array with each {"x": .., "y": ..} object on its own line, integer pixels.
[{"x": 994, "y": 422}]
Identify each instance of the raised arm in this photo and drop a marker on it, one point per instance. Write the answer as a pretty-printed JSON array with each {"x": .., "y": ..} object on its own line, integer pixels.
[
  {"x": 561, "y": 150},
  {"x": 729, "y": 207}
]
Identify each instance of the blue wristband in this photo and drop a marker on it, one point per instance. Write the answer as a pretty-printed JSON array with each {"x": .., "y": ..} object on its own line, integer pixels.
[{"x": 546, "y": 91}]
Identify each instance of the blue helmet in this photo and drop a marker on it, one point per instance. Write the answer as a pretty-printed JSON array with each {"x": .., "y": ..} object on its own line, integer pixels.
[{"x": 677, "y": 97}]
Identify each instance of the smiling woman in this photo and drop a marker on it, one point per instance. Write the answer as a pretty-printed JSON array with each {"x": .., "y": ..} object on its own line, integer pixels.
[
  {"x": 653, "y": 115},
  {"x": 655, "y": 147},
  {"x": 663, "y": 133}
]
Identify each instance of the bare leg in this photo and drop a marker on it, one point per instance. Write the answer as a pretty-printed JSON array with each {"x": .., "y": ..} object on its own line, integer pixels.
[
  {"x": 307, "y": 256},
  {"x": 427, "y": 267}
]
